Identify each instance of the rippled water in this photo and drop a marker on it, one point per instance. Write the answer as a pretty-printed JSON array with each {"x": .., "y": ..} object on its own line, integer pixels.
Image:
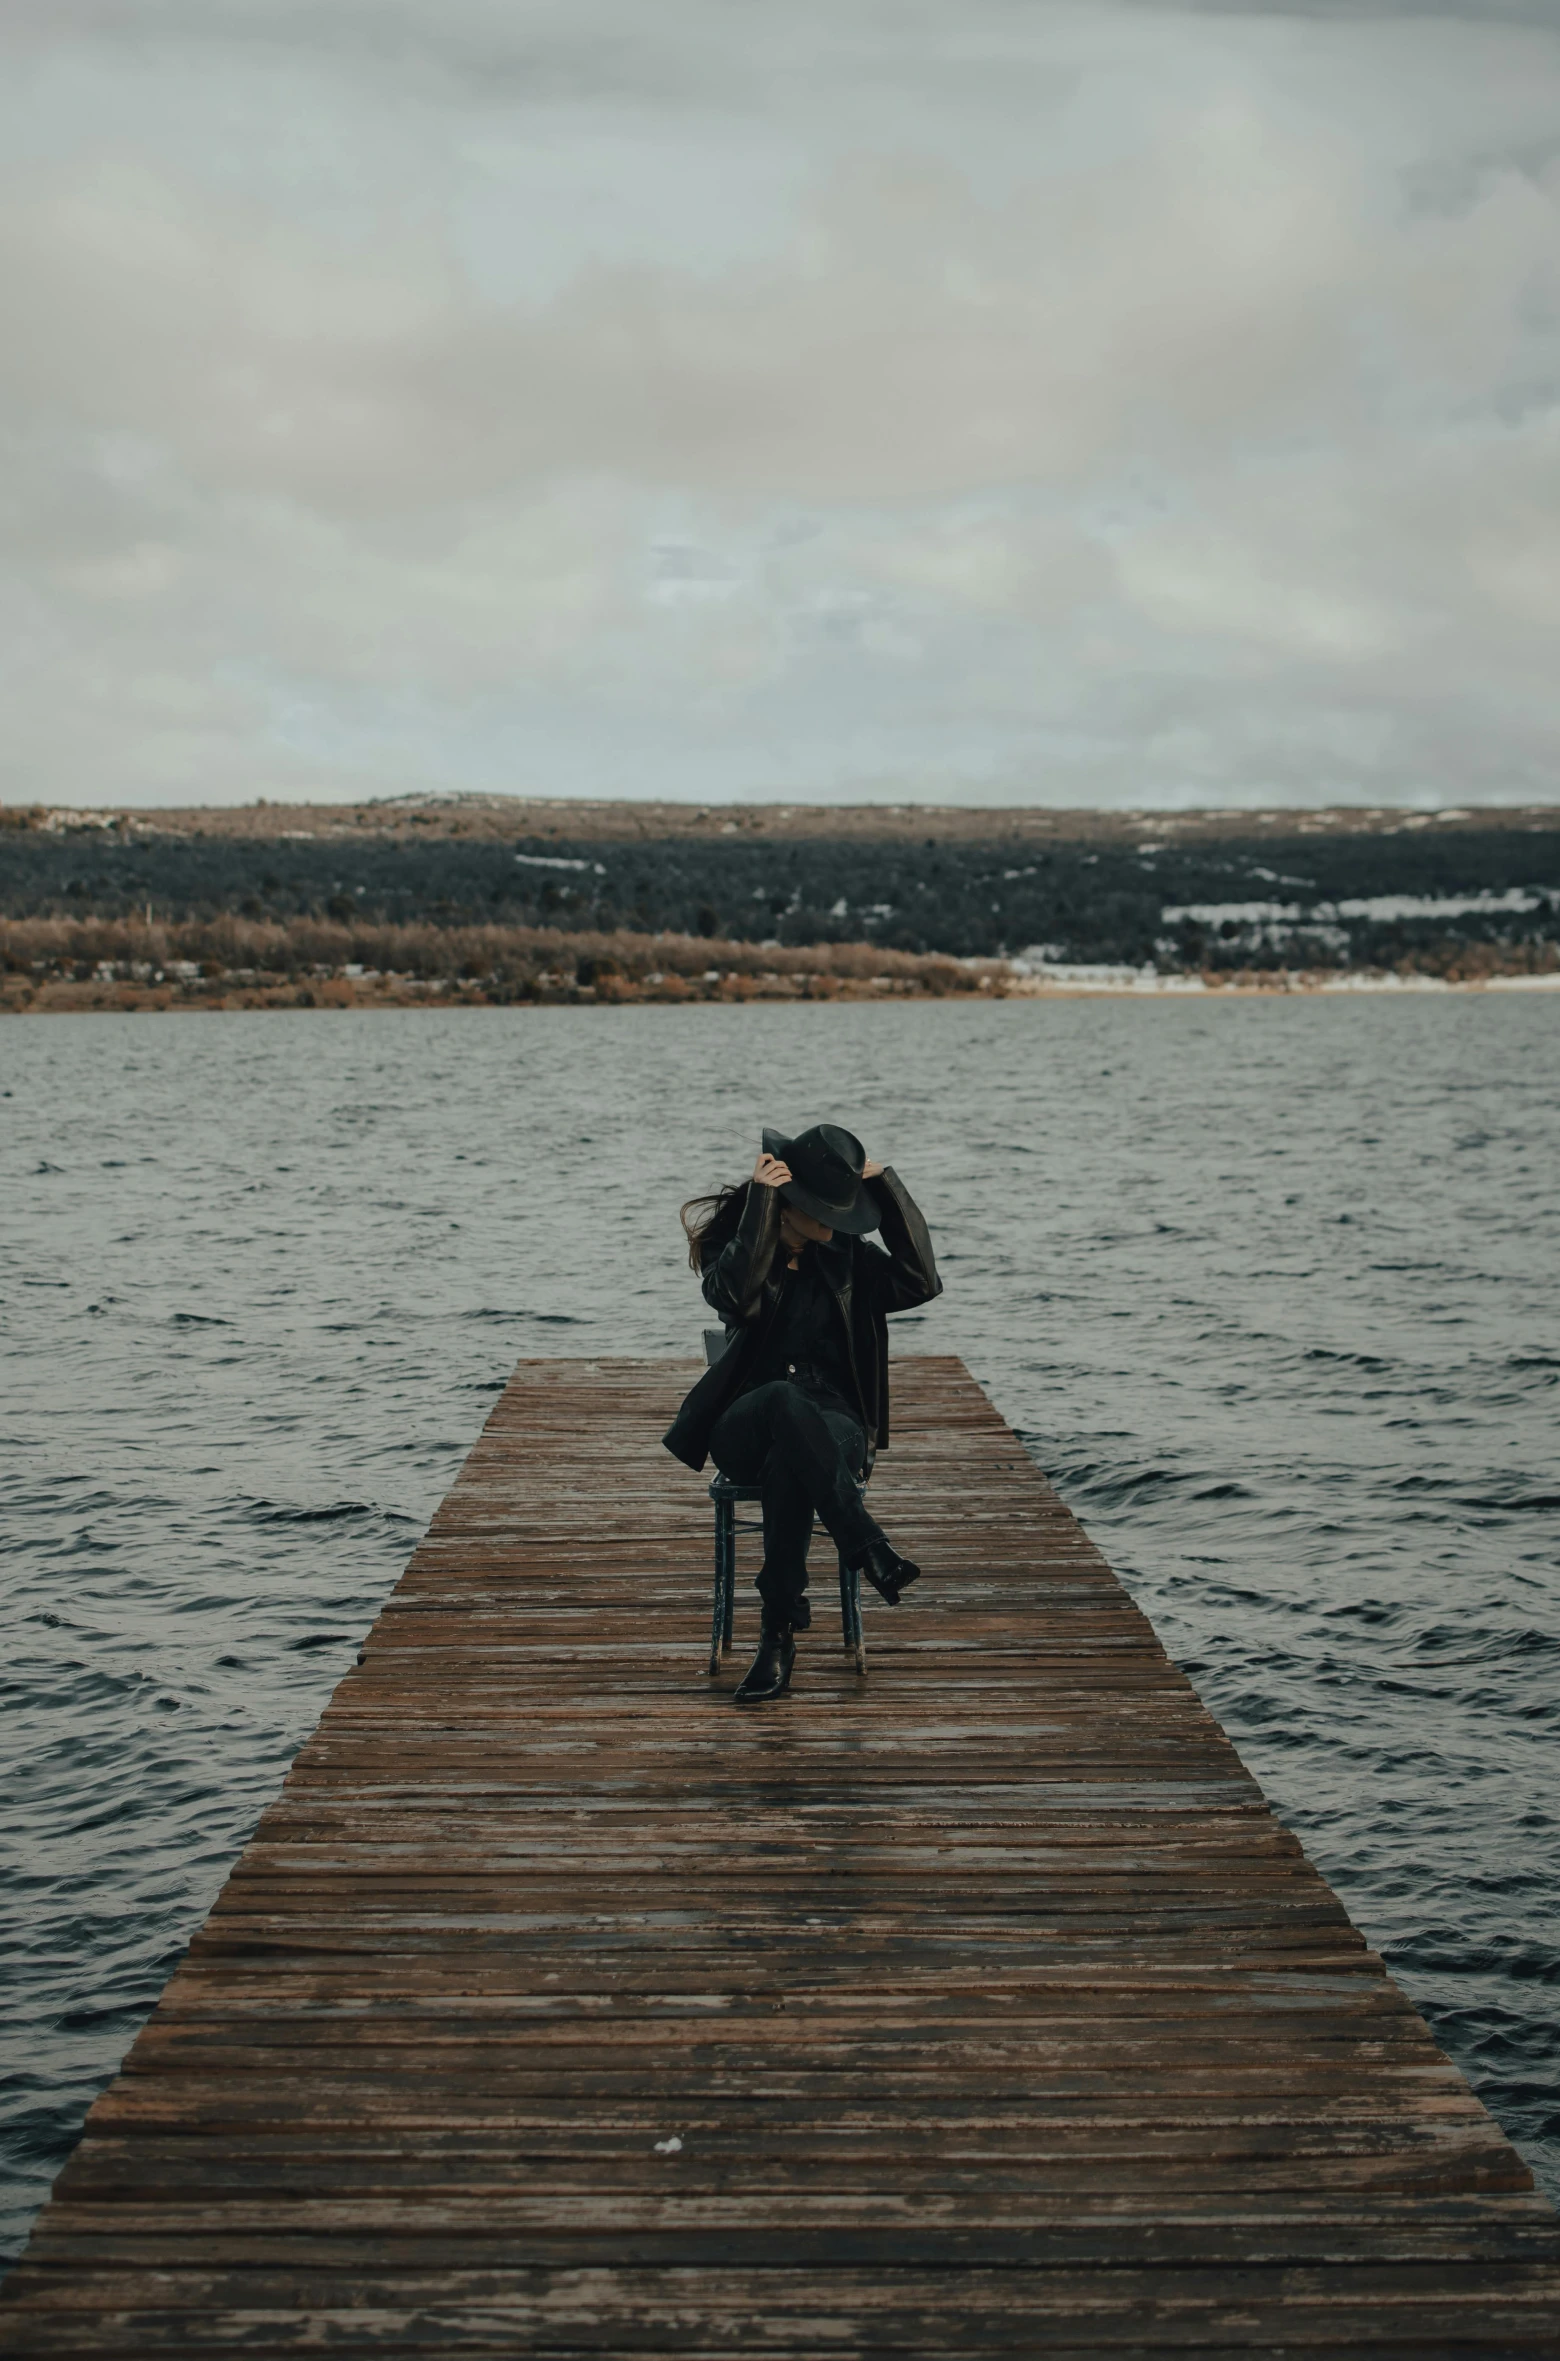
[{"x": 1271, "y": 1289}]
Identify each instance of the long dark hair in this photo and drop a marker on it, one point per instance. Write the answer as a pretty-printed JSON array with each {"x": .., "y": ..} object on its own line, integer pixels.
[{"x": 711, "y": 1222}]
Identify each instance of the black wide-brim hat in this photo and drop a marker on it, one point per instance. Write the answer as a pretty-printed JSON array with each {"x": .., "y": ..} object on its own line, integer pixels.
[{"x": 826, "y": 1164}]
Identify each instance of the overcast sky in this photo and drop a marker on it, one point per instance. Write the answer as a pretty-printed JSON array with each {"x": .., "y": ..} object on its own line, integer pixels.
[{"x": 981, "y": 401}]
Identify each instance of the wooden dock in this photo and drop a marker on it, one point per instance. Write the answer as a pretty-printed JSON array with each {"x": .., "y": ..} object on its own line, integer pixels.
[{"x": 983, "y": 2007}]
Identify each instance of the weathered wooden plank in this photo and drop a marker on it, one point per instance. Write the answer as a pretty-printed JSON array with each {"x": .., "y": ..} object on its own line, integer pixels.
[
  {"x": 1337, "y": 2312},
  {"x": 988, "y": 2006}
]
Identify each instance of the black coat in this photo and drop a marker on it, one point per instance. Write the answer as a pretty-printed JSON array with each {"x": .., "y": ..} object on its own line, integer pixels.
[{"x": 744, "y": 1287}]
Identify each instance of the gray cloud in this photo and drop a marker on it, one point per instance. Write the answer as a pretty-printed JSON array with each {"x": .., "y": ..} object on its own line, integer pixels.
[{"x": 1084, "y": 403}]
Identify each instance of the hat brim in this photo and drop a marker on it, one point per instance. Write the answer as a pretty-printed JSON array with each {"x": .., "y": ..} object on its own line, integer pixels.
[{"x": 853, "y": 1220}]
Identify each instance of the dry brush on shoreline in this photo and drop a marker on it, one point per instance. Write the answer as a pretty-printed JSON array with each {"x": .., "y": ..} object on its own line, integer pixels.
[
  {"x": 60, "y": 963},
  {"x": 55, "y": 965}
]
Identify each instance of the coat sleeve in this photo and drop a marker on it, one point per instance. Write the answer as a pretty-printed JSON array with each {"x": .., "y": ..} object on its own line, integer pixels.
[
  {"x": 905, "y": 1274},
  {"x": 734, "y": 1282}
]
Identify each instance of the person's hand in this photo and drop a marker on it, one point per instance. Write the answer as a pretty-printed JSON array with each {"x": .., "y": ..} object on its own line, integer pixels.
[
  {"x": 871, "y": 1169},
  {"x": 770, "y": 1171}
]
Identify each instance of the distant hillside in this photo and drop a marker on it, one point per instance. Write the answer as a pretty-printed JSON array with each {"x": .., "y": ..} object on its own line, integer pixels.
[{"x": 1197, "y": 891}]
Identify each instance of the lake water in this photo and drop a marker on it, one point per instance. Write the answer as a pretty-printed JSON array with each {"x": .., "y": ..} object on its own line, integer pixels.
[{"x": 1270, "y": 1288}]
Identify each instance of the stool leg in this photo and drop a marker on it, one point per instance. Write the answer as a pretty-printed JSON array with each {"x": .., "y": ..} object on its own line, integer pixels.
[
  {"x": 850, "y": 1616},
  {"x": 723, "y": 1544},
  {"x": 729, "y": 1511}
]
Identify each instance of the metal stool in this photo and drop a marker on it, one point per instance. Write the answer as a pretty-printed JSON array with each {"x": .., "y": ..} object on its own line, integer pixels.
[{"x": 725, "y": 1494}]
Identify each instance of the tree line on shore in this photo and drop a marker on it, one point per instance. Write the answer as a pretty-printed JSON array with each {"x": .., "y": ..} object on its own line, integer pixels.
[{"x": 1318, "y": 900}]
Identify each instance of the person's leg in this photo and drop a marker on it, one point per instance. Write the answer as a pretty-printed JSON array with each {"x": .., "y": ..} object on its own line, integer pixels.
[
  {"x": 752, "y": 1444},
  {"x": 814, "y": 1467},
  {"x": 739, "y": 1444},
  {"x": 788, "y": 1524},
  {"x": 818, "y": 1453},
  {"x": 827, "y": 1449},
  {"x": 742, "y": 1447}
]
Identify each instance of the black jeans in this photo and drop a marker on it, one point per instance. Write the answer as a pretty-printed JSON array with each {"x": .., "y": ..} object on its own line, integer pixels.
[{"x": 806, "y": 1454}]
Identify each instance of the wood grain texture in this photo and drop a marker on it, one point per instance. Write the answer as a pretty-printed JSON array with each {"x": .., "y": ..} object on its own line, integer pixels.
[{"x": 992, "y": 2009}]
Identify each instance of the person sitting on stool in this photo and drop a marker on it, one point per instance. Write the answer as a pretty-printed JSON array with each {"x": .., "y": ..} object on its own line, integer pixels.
[{"x": 803, "y": 1382}]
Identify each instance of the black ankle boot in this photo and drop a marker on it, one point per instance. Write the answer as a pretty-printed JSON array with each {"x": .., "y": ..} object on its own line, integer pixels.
[
  {"x": 887, "y": 1571},
  {"x": 769, "y": 1674}
]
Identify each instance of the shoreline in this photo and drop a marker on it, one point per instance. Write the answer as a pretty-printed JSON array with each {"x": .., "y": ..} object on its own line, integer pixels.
[
  {"x": 225, "y": 996},
  {"x": 59, "y": 966}
]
